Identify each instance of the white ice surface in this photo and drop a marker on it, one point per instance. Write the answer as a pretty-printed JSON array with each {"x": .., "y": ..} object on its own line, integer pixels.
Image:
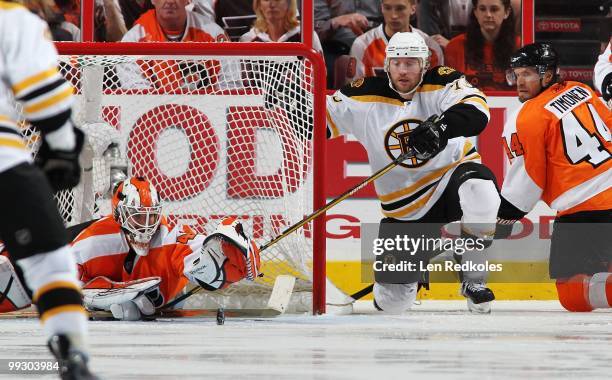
[{"x": 438, "y": 339}]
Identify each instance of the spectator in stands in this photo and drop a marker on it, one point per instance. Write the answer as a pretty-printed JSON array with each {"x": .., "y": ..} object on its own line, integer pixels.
[
  {"x": 131, "y": 10},
  {"x": 61, "y": 30},
  {"x": 369, "y": 48},
  {"x": 277, "y": 22},
  {"x": 113, "y": 18},
  {"x": 109, "y": 24},
  {"x": 339, "y": 22},
  {"x": 483, "y": 52},
  {"x": 235, "y": 16},
  {"x": 445, "y": 19},
  {"x": 206, "y": 8},
  {"x": 71, "y": 9},
  {"x": 170, "y": 21}
]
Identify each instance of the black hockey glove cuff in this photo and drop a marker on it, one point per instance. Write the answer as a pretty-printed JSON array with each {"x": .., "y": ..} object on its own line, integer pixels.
[
  {"x": 606, "y": 87},
  {"x": 507, "y": 215},
  {"x": 429, "y": 138},
  {"x": 61, "y": 167}
]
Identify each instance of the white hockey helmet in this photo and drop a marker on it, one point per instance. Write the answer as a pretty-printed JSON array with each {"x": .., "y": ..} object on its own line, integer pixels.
[
  {"x": 137, "y": 209},
  {"x": 407, "y": 44}
]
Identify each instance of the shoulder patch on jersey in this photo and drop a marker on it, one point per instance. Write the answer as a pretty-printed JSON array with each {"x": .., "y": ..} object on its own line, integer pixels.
[
  {"x": 567, "y": 101},
  {"x": 440, "y": 76},
  {"x": 357, "y": 82},
  {"x": 372, "y": 89},
  {"x": 445, "y": 70}
]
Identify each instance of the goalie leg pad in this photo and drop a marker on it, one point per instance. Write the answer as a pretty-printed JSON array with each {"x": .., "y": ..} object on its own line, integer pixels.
[
  {"x": 101, "y": 293},
  {"x": 395, "y": 298},
  {"x": 13, "y": 294}
]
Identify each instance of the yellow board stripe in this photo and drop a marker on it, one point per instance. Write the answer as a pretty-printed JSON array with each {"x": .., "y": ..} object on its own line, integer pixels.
[
  {"x": 13, "y": 143},
  {"x": 66, "y": 93},
  {"x": 63, "y": 309},
  {"x": 332, "y": 125},
  {"x": 55, "y": 285},
  {"x": 35, "y": 79},
  {"x": 351, "y": 276},
  {"x": 377, "y": 99}
]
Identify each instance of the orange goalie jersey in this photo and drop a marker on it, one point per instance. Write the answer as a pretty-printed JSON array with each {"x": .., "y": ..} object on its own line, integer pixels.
[
  {"x": 559, "y": 149},
  {"x": 102, "y": 250}
]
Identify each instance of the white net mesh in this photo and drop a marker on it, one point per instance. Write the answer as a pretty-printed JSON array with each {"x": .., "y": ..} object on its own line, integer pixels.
[{"x": 218, "y": 136}]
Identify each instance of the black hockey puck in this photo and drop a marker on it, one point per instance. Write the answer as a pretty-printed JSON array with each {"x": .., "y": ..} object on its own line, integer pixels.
[{"x": 220, "y": 316}]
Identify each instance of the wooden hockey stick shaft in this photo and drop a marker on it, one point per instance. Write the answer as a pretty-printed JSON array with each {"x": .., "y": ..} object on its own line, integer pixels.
[{"x": 401, "y": 158}]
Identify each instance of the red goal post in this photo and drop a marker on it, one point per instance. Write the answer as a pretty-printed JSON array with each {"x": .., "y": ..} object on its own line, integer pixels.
[{"x": 311, "y": 87}]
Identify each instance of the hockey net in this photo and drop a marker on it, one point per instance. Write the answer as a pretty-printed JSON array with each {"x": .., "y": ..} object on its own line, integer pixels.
[{"x": 218, "y": 135}]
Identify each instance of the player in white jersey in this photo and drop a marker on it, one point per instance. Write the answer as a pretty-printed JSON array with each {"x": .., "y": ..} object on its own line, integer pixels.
[
  {"x": 443, "y": 181},
  {"x": 602, "y": 78},
  {"x": 31, "y": 227}
]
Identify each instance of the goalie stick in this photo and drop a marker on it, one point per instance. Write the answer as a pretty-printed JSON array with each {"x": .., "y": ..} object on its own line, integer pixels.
[{"x": 401, "y": 158}]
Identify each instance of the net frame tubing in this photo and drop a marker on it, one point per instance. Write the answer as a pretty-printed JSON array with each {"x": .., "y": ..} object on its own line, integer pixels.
[{"x": 239, "y": 49}]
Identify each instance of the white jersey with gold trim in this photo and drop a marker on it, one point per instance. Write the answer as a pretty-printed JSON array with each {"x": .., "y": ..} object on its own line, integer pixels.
[
  {"x": 28, "y": 74},
  {"x": 381, "y": 120}
]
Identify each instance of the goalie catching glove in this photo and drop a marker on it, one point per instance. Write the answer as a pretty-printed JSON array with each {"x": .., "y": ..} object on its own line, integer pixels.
[
  {"x": 227, "y": 256},
  {"x": 429, "y": 138}
]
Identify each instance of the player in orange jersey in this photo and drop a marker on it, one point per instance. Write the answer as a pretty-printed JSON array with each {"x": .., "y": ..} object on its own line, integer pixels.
[
  {"x": 136, "y": 243},
  {"x": 559, "y": 147},
  {"x": 146, "y": 262}
]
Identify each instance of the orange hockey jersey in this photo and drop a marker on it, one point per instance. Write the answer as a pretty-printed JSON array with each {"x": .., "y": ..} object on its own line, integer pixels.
[
  {"x": 559, "y": 149},
  {"x": 102, "y": 250}
]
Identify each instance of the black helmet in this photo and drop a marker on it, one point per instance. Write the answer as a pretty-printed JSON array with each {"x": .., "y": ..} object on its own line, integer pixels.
[{"x": 540, "y": 55}]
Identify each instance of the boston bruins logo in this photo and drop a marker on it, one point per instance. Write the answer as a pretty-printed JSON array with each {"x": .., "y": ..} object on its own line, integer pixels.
[{"x": 396, "y": 142}]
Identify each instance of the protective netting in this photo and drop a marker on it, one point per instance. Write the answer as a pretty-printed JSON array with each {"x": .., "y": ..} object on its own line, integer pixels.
[{"x": 218, "y": 136}]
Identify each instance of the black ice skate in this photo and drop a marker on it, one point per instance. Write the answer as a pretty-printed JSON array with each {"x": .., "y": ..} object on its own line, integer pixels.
[
  {"x": 72, "y": 362},
  {"x": 478, "y": 296}
]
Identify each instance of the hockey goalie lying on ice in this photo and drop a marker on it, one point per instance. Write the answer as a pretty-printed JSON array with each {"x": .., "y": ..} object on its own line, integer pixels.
[{"x": 134, "y": 252}]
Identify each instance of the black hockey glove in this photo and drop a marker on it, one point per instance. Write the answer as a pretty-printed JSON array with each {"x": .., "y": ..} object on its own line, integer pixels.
[
  {"x": 429, "y": 138},
  {"x": 61, "y": 167}
]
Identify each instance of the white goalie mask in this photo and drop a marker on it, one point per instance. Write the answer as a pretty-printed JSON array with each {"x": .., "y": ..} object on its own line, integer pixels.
[
  {"x": 407, "y": 45},
  {"x": 137, "y": 209}
]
